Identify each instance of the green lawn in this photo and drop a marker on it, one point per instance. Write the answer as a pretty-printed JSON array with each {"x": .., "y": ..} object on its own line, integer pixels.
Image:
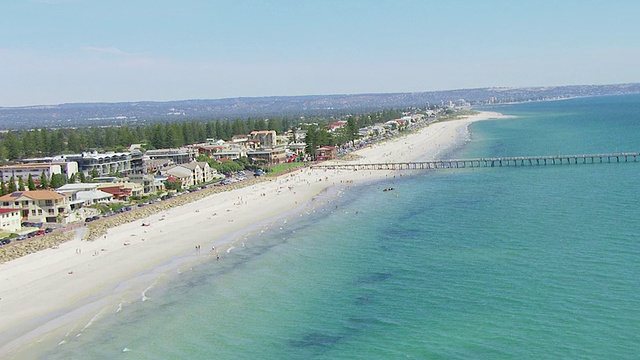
[{"x": 275, "y": 170}]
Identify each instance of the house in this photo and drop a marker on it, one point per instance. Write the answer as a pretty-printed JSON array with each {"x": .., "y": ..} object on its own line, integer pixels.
[
  {"x": 39, "y": 205},
  {"x": 84, "y": 194},
  {"x": 134, "y": 189},
  {"x": 93, "y": 197},
  {"x": 117, "y": 191},
  {"x": 335, "y": 126},
  {"x": 10, "y": 220},
  {"x": 326, "y": 153},
  {"x": 150, "y": 183},
  {"x": 191, "y": 174},
  {"x": 182, "y": 175}
]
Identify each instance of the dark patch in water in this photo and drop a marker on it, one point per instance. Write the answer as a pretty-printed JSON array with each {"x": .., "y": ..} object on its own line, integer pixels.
[
  {"x": 363, "y": 300},
  {"x": 317, "y": 340},
  {"x": 359, "y": 323},
  {"x": 373, "y": 278}
]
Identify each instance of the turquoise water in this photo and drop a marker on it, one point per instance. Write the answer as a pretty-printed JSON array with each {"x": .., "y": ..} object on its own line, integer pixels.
[{"x": 539, "y": 262}]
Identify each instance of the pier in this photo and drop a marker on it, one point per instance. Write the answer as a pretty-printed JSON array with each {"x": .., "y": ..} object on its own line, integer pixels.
[{"x": 489, "y": 162}]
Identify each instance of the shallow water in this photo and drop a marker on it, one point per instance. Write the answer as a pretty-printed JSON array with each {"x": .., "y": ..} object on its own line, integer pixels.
[{"x": 468, "y": 263}]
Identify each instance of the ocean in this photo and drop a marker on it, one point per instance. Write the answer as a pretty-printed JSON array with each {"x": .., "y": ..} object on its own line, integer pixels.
[{"x": 530, "y": 262}]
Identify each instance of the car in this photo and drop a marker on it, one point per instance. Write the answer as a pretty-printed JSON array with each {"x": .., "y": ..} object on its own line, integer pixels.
[
  {"x": 40, "y": 232},
  {"x": 21, "y": 237},
  {"x": 88, "y": 219},
  {"x": 5, "y": 241},
  {"x": 48, "y": 230}
]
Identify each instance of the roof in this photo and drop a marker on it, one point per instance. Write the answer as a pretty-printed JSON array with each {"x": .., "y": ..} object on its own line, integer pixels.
[
  {"x": 33, "y": 194},
  {"x": 178, "y": 171},
  {"x": 93, "y": 195},
  {"x": 30, "y": 166},
  {"x": 4, "y": 211},
  {"x": 78, "y": 186},
  {"x": 192, "y": 165}
]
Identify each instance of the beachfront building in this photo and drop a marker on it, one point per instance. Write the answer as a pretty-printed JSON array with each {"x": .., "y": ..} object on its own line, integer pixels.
[
  {"x": 264, "y": 138},
  {"x": 93, "y": 197},
  {"x": 297, "y": 148},
  {"x": 270, "y": 156},
  {"x": 191, "y": 174},
  {"x": 67, "y": 168},
  {"x": 103, "y": 164},
  {"x": 36, "y": 169},
  {"x": 39, "y": 205},
  {"x": 10, "y": 220},
  {"x": 181, "y": 155},
  {"x": 117, "y": 191},
  {"x": 149, "y": 183},
  {"x": 326, "y": 153},
  {"x": 230, "y": 151}
]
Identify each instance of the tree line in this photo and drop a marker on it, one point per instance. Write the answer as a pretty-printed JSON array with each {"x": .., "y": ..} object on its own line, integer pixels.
[{"x": 21, "y": 144}]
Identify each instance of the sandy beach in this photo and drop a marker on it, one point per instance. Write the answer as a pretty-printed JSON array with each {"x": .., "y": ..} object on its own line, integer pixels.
[{"x": 48, "y": 295}]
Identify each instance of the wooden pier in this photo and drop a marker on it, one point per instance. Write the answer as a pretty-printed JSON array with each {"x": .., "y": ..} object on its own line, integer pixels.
[{"x": 488, "y": 162}]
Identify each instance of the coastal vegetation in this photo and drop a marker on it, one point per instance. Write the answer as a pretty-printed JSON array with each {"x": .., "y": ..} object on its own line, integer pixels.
[{"x": 19, "y": 144}]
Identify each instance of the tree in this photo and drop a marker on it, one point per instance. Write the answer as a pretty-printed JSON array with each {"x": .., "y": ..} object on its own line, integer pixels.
[
  {"x": 30, "y": 183},
  {"x": 58, "y": 180},
  {"x": 12, "y": 185},
  {"x": 81, "y": 177},
  {"x": 94, "y": 173},
  {"x": 20, "y": 184},
  {"x": 312, "y": 140},
  {"x": 3, "y": 188},
  {"x": 12, "y": 143},
  {"x": 173, "y": 185},
  {"x": 44, "y": 182},
  {"x": 352, "y": 130}
]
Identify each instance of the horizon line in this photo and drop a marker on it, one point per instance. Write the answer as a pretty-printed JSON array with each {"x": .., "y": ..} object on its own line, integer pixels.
[{"x": 309, "y": 95}]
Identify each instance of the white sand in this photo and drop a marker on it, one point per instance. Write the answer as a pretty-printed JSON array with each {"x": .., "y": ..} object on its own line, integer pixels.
[{"x": 45, "y": 295}]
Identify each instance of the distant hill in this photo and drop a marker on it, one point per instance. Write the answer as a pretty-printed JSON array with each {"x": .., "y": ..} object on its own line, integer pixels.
[{"x": 109, "y": 114}]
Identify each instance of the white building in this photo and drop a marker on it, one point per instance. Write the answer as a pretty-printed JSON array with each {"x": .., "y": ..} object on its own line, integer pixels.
[
  {"x": 36, "y": 169},
  {"x": 10, "y": 220}
]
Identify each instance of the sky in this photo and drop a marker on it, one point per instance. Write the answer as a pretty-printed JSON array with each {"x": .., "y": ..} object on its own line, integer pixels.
[{"x": 67, "y": 51}]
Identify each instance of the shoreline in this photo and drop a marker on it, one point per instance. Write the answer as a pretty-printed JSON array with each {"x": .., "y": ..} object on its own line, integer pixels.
[{"x": 53, "y": 292}]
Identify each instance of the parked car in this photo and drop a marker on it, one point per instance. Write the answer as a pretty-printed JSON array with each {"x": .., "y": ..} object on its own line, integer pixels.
[
  {"x": 40, "y": 232},
  {"x": 48, "y": 230},
  {"x": 5, "y": 241}
]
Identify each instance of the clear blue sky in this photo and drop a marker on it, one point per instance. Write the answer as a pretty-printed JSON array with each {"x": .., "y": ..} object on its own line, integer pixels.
[{"x": 55, "y": 51}]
